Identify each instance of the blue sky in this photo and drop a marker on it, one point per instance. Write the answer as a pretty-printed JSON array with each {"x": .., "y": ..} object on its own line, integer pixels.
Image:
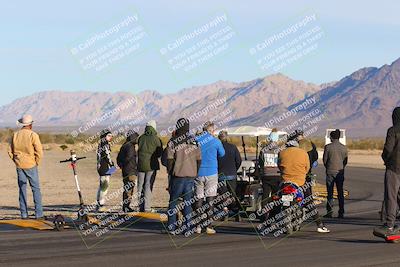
[{"x": 37, "y": 37}]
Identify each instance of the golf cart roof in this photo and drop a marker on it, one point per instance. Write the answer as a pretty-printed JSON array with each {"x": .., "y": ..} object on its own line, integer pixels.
[{"x": 250, "y": 131}]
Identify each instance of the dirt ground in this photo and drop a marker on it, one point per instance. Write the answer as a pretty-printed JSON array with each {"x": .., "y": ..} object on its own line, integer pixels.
[
  {"x": 58, "y": 184},
  {"x": 59, "y": 191}
]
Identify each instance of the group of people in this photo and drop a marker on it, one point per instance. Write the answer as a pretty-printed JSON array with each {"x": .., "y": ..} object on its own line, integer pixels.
[
  {"x": 194, "y": 172},
  {"x": 138, "y": 167},
  {"x": 293, "y": 161},
  {"x": 200, "y": 167}
]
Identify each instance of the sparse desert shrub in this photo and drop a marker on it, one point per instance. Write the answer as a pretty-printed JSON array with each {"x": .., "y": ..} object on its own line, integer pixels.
[
  {"x": 83, "y": 139},
  {"x": 70, "y": 141},
  {"x": 366, "y": 144},
  {"x": 46, "y": 138}
]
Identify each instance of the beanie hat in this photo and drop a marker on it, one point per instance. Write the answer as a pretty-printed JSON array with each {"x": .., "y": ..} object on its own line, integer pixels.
[{"x": 153, "y": 124}]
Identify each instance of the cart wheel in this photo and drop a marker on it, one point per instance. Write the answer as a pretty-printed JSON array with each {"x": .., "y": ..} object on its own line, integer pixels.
[{"x": 59, "y": 223}]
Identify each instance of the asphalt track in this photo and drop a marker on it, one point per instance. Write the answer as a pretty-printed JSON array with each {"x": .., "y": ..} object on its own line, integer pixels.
[{"x": 350, "y": 243}]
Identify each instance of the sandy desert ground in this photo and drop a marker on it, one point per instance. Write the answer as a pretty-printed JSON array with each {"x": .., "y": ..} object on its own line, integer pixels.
[
  {"x": 59, "y": 191},
  {"x": 58, "y": 184}
]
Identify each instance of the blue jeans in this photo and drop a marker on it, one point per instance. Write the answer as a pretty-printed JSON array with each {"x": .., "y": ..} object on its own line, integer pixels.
[
  {"x": 180, "y": 187},
  {"x": 145, "y": 188},
  {"x": 31, "y": 175}
]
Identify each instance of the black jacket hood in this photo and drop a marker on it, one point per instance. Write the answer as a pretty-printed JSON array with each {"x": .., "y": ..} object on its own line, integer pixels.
[
  {"x": 182, "y": 133},
  {"x": 396, "y": 116},
  {"x": 131, "y": 137}
]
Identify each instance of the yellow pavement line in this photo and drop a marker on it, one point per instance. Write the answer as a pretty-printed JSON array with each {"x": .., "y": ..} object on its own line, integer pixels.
[
  {"x": 319, "y": 190},
  {"x": 32, "y": 224},
  {"x": 161, "y": 217},
  {"x": 150, "y": 216}
]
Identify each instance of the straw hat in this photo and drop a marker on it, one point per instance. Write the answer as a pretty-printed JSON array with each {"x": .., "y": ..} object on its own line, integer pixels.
[{"x": 26, "y": 120}]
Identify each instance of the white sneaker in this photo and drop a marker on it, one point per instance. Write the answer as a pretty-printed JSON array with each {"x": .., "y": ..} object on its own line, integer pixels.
[
  {"x": 210, "y": 231},
  {"x": 198, "y": 230},
  {"x": 323, "y": 229}
]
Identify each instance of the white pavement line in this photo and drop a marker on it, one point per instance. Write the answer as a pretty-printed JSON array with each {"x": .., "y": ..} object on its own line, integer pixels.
[{"x": 364, "y": 212}]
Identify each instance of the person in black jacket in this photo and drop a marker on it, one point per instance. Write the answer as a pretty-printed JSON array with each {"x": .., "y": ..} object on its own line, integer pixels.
[
  {"x": 104, "y": 164},
  {"x": 126, "y": 160},
  {"x": 391, "y": 158},
  {"x": 164, "y": 160},
  {"x": 228, "y": 166}
]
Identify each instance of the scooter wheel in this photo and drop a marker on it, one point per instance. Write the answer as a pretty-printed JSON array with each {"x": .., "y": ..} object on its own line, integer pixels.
[{"x": 59, "y": 223}]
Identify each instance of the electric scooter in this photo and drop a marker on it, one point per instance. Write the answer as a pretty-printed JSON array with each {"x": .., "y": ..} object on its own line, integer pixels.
[{"x": 59, "y": 220}]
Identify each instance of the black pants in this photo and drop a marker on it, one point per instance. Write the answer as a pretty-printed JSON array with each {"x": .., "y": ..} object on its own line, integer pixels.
[
  {"x": 392, "y": 188},
  {"x": 331, "y": 180},
  {"x": 129, "y": 185},
  {"x": 270, "y": 186},
  {"x": 310, "y": 206},
  {"x": 230, "y": 186}
]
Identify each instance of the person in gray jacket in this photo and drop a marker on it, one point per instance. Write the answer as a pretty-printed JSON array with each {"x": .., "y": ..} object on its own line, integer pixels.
[
  {"x": 335, "y": 161},
  {"x": 391, "y": 158}
]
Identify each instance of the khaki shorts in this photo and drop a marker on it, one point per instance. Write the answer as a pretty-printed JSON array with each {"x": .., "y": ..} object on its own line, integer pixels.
[{"x": 206, "y": 186}]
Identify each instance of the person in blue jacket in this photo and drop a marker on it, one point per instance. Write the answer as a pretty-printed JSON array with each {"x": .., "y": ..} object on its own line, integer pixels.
[{"x": 206, "y": 183}]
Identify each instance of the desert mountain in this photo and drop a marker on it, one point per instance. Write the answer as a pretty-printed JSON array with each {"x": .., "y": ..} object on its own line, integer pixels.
[
  {"x": 362, "y": 101},
  {"x": 74, "y": 108}
]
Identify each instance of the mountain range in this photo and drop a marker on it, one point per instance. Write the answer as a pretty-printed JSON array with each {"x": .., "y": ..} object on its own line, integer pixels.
[{"x": 361, "y": 102}]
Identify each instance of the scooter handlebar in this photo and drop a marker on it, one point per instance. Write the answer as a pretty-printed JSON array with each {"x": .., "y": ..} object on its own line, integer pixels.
[{"x": 70, "y": 159}]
